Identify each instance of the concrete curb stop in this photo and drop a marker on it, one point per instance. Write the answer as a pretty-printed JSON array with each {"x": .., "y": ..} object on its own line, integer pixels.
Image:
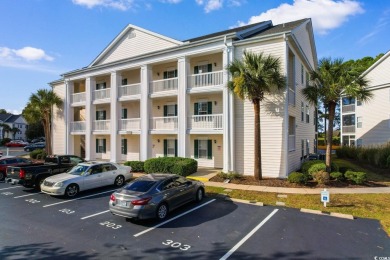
[{"x": 332, "y": 214}]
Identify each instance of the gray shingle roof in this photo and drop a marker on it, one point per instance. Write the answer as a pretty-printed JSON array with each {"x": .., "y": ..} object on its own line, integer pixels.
[{"x": 4, "y": 117}]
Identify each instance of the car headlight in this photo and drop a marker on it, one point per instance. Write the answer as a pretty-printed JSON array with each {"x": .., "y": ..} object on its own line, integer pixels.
[{"x": 59, "y": 184}]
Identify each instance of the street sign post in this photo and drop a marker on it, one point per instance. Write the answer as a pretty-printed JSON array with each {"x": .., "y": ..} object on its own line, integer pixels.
[{"x": 325, "y": 198}]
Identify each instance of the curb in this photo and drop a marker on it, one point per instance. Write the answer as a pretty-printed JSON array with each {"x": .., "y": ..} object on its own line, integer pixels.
[
  {"x": 202, "y": 179},
  {"x": 332, "y": 214}
]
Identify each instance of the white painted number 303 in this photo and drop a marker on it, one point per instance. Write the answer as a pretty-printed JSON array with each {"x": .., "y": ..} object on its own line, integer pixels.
[{"x": 176, "y": 245}]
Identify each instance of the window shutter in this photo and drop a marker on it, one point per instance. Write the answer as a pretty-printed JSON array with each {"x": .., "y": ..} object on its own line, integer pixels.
[
  {"x": 104, "y": 145},
  {"x": 209, "y": 107},
  {"x": 165, "y": 147},
  {"x": 97, "y": 86},
  {"x": 124, "y": 81},
  {"x": 196, "y": 154},
  {"x": 165, "y": 74},
  {"x": 175, "y": 73},
  {"x": 196, "y": 70},
  {"x": 175, "y": 147},
  {"x": 104, "y": 85},
  {"x": 124, "y": 113},
  {"x": 97, "y": 115},
  {"x": 209, "y": 67},
  {"x": 165, "y": 110},
  {"x": 209, "y": 149},
  {"x": 97, "y": 145},
  {"x": 175, "y": 109},
  {"x": 104, "y": 114},
  {"x": 196, "y": 109},
  {"x": 124, "y": 146}
]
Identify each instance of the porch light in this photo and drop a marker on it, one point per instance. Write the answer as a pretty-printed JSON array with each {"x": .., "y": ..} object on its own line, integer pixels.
[
  {"x": 158, "y": 140},
  {"x": 215, "y": 64},
  {"x": 215, "y": 103},
  {"x": 158, "y": 107},
  {"x": 215, "y": 141}
]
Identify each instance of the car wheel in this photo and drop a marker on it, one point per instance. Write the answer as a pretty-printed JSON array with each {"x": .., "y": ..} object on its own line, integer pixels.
[
  {"x": 199, "y": 195},
  {"x": 72, "y": 190},
  {"x": 119, "y": 181},
  {"x": 2, "y": 176},
  {"x": 162, "y": 211}
]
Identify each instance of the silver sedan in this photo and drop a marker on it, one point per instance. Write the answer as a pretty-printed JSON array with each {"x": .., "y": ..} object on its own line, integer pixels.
[
  {"x": 85, "y": 176},
  {"x": 154, "y": 195}
]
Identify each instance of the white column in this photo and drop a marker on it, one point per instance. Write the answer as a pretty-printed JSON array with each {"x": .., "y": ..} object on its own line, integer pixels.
[
  {"x": 89, "y": 117},
  {"x": 145, "y": 108},
  {"x": 183, "y": 101},
  {"x": 115, "y": 138},
  {"x": 230, "y": 50},
  {"x": 69, "y": 117},
  {"x": 226, "y": 114}
]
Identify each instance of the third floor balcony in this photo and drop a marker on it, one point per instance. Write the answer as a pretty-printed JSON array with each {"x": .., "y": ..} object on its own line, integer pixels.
[
  {"x": 164, "y": 124},
  {"x": 206, "y": 123},
  {"x": 129, "y": 92},
  {"x": 78, "y": 99},
  {"x": 163, "y": 87},
  {"x": 101, "y": 95},
  {"x": 205, "y": 82}
]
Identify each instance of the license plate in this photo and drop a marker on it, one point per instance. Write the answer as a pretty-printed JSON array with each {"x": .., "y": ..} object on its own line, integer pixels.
[{"x": 121, "y": 203}]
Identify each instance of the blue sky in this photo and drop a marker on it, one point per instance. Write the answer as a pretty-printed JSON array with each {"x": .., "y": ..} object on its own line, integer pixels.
[{"x": 42, "y": 39}]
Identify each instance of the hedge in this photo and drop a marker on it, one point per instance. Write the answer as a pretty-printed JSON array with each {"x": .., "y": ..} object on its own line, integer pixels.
[
  {"x": 136, "y": 166},
  {"x": 309, "y": 167},
  {"x": 38, "y": 154},
  {"x": 176, "y": 165},
  {"x": 356, "y": 177},
  {"x": 297, "y": 177}
]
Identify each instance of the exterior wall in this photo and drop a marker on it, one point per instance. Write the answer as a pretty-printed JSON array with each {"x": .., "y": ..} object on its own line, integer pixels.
[
  {"x": 132, "y": 148},
  {"x": 158, "y": 106},
  {"x": 379, "y": 75},
  {"x": 217, "y": 149},
  {"x": 213, "y": 58},
  {"x": 58, "y": 123},
  {"x": 132, "y": 76},
  {"x": 101, "y": 156},
  {"x": 140, "y": 44},
  {"x": 133, "y": 109},
  {"x": 216, "y": 99},
  {"x": 158, "y": 70},
  {"x": 302, "y": 35}
]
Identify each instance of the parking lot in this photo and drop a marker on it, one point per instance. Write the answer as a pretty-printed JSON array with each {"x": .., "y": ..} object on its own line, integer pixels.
[{"x": 36, "y": 225}]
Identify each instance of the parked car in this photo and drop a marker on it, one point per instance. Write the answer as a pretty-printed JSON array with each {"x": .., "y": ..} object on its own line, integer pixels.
[
  {"x": 31, "y": 176},
  {"x": 85, "y": 176},
  {"x": 154, "y": 195},
  {"x": 34, "y": 146},
  {"x": 39, "y": 139},
  {"x": 1, "y": 154},
  {"x": 16, "y": 143},
  {"x": 11, "y": 161}
]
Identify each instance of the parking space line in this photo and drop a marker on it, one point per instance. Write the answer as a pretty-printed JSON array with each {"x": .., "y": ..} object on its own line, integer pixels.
[
  {"x": 169, "y": 220},
  {"x": 28, "y": 195},
  {"x": 90, "y": 216},
  {"x": 49, "y": 205},
  {"x": 11, "y": 188},
  {"x": 242, "y": 241}
]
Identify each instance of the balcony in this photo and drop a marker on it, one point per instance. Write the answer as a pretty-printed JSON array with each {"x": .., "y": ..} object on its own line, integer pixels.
[
  {"x": 164, "y": 87},
  {"x": 77, "y": 127},
  {"x": 291, "y": 143},
  {"x": 202, "y": 82},
  {"x": 349, "y": 108},
  {"x": 128, "y": 92},
  {"x": 101, "y": 125},
  {"x": 128, "y": 125},
  {"x": 163, "y": 123},
  {"x": 349, "y": 129},
  {"x": 78, "y": 98},
  {"x": 101, "y": 95},
  {"x": 200, "y": 123}
]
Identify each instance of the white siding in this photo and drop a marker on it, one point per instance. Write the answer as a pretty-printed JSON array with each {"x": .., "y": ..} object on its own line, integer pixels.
[
  {"x": 58, "y": 123},
  {"x": 142, "y": 43},
  {"x": 380, "y": 75},
  {"x": 303, "y": 37}
]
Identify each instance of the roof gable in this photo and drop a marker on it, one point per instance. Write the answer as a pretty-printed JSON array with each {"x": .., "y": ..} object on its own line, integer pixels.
[{"x": 377, "y": 73}]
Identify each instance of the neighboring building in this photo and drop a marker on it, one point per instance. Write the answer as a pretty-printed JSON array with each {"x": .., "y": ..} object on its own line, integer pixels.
[
  {"x": 147, "y": 95},
  {"x": 13, "y": 121},
  {"x": 365, "y": 124}
]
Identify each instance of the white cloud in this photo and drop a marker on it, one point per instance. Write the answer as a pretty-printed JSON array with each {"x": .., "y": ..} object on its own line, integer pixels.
[
  {"x": 122, "y": 5},
  {"x": 326, "y": 14},
  {"x": 170, "y": 1},
  {"x": 26, "y": 53}
]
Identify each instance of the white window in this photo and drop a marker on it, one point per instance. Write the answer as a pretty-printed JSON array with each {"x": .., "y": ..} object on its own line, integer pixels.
[
  {"x": 302, "y": 112},
  {"x": 100, "y": 145},
  {"x": 307, "y": 147},
  {"x": 202, "y": 149},
  {"x": 307, "y": 114},
  {"x": 202, "y": 108},
  {"x": 359, "y": 123},
  {"x": 171, "y": 148},
  {"x": 171, "y": 110},
  {"x": 291, "y": 133},
  {"x": 100, "y": 85},
  {"x": 101, "y": 115}
]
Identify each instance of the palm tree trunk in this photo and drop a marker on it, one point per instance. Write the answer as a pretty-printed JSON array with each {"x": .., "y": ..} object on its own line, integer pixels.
[
  {"x": 332, "y": 109},
  {"x": 46, "y": 129},
  {"x": 257, "y": 169}
]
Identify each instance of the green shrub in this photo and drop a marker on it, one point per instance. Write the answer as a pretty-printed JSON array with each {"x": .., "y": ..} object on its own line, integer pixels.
[
  {"x": 321, "y": 176},
  {"x": 338, "y": 176},
  {"x": 388, "y": 162},
  {"x": 310, "y": 167},
  {"x": 136, "y": 166},
  {"x": 297, "y": 177},
  {"x": 356, "y": 177},
  {"x": 176, "y": 165},
  {"x": 38, "y": 154},
  {"x": 229, "y": 175}
]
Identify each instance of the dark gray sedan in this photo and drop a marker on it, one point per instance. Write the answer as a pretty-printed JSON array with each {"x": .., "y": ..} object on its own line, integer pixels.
[{"x": 154, "y": 195}]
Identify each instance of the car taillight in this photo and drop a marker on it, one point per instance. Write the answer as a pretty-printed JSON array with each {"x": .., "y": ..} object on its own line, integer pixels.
[
  {"x": 143, "y": 201},
  {"x": 22, "y": 174},
  {"x": 112, "y": 197}
]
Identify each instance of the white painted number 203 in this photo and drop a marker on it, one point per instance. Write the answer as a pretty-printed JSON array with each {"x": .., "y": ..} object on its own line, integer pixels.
[{"x": 176, "y": 245}]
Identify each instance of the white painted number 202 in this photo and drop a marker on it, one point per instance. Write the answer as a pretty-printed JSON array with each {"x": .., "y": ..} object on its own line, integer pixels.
[{"x": 176, "y": 245}]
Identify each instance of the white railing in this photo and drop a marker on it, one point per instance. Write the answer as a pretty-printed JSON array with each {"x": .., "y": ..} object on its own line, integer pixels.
[
  {"x": 163, "y": 123},
  {"x": 78, "y": 97},
  {"x": 129, "y": 124},
  {"x": 128, "y": 90},
  {"x": 291, "y": 142},
  {"x": 101, "y": 125},
  {"x": 348, "y": 108},
  {"x": 349, "y": 129},
  {"x": 77, "y": 126},
  {"x": 205, "y": 79},
  {"x": 205, "y": 122},
  {"x": 163, "y": 85},
  {"x": 101, "y": 94}
]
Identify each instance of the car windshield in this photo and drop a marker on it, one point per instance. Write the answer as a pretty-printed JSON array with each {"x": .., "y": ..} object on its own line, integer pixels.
[
  {"x": 140, "y": 186},
  {"x": 78, "y": 170}
]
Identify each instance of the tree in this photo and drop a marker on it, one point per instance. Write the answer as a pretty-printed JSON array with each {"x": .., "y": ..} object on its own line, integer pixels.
[
  {"x": 252, "y": 78},
  {"x": 333, "y": 79},
  {"x": 5, "y": 129},
  {"x": 39, "y": 109},
  {"x": 34, "y": 130},
  {"x": 3, "y": 111},
  {"x": 14, "y": 130}
]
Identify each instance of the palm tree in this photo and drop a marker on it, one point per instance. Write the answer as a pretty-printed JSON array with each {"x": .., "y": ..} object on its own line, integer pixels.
[
  {"x": 39, "y": 109},
  {"x": 252, "y": 78},
  {"x": 333, "y": 79},
  {"x": 14, "y": 130},
  {"x": 5, "y": 129}
]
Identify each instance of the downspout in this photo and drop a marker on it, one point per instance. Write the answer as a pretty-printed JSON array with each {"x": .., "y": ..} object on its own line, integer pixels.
[
  {"x": 286, "y": 115},
  {"x": 66, "y": 117}
]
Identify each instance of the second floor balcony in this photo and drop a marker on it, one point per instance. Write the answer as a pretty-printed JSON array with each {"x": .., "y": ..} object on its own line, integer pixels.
[
  {"x": 101, "y": 125},
  {"x": 163, "y": 87},
  {"x": 101, "y": 95},
  {"x": 78, "y": 98},
  {"x": 163, "y": 123},
  {"x": 205, "y": 122},
  {"x": 77, "y": 127},
  {"x": 209, "y": 79},
  {"x": 129, "y": 124},
  {"x": 131, "y": 91}
]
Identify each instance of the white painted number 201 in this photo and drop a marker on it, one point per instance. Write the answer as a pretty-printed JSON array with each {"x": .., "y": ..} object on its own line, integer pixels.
[
  {"x": 110, "y": 225},
  {"x": 176, "y": 245}
]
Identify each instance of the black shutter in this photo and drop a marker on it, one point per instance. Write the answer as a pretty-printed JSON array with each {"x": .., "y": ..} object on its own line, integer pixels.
[
  {"x": 97, "y": 145},
  {"x": 165, "y": 147},
  {"x": 165, "y": 74},
  {"x": 175, "y": 147},
  {"x": 196, "y": 109},
  {"x": 124, "y": 146},
  {"x": 175, "y": 73},
  {"x": 104, "y": 114},
  {"x": 104, "y": 85},
  {"x": 196, "y": 70},
  {"x": 97, "y": 115},
  {"x": 209, "y": 67},
  {"x": 209, "y": 107},
  {"x": 124, "y": 113},
  {"x": 165, "y": 110},
  {"x": 196, "y": 154},
  {"x": 124, "y": 81},
  {"x": 175, "y": 109},
  {"x": 104, "y": 145},
  {"x": 209, "y": 149}
]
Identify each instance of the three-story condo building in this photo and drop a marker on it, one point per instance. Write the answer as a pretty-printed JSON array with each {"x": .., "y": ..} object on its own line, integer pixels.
[{"x": 147, "y": 95}]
